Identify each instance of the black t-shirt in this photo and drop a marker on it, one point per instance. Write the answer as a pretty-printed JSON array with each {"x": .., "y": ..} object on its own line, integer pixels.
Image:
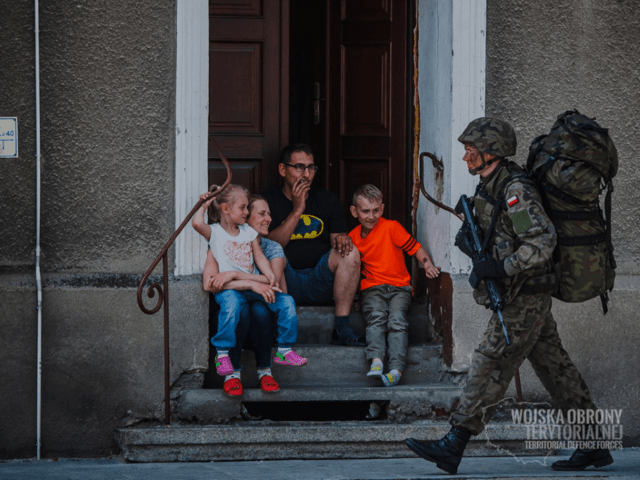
[{"x": 311, "y": 239}]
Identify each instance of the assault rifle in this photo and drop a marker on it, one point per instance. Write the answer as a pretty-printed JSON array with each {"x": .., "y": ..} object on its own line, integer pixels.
[{"x": 469, "y": 240}]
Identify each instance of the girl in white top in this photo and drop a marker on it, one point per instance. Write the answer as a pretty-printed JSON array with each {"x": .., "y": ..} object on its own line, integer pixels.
[{"x": 230, "y": 273}]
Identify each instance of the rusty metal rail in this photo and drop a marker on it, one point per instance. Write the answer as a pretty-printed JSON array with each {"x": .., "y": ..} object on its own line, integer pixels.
[{"x": 163, "y": 292}]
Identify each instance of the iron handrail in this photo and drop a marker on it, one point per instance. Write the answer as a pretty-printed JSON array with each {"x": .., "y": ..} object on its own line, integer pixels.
[{"x": 163, "y": 294}]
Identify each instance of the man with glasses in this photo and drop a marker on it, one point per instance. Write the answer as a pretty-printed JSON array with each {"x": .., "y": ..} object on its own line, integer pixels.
[{"x": 310, "y": 225}]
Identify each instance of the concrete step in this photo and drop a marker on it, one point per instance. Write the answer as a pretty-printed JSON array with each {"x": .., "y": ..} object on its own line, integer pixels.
[
  {"x": 277, "y": 441},
  {"x": 327, "y": 403},
  {"x": 316, "y": 323},
  {"x": 338, "y": 365}
]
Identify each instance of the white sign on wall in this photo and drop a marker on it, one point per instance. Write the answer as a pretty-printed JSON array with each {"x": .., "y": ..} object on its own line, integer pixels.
[{"x": 8, "y": 137}]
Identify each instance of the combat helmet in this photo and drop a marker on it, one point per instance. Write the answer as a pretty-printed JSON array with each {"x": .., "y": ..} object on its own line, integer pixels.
[{"x": 490, "y": 135}]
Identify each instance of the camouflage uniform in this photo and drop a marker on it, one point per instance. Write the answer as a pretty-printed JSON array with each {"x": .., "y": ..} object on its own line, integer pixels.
[{"x": 524, "y": 238}]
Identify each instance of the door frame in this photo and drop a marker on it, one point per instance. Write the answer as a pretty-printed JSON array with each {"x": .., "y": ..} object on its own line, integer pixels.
[
  {"x": 191, "y": 122},
  {"x": 191, "y": 127}
]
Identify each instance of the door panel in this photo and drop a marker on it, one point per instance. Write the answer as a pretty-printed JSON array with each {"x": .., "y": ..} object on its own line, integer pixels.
[
  {"x": 247, "y": 94},
  {"x": 235, "y": 7},
  {"x": 244, "y": 173},
  {"x": 239, "y": 109},
  {"x": 364, "y": 109},
  {"x": 366, "y": 91},
  {"x": 367, "y": 10}
]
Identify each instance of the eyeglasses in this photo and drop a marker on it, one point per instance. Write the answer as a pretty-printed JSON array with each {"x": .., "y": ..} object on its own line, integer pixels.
[{"x": 301, "y": 167}]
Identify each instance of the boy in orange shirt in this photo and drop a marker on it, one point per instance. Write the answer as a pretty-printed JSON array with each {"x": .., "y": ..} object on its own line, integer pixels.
[{"x": 386, "y": 285}]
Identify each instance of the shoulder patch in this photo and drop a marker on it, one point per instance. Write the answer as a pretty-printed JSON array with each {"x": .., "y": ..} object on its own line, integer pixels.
[
  {"x": 512, "y": 201},
  {"x": 521, "y": 221}
]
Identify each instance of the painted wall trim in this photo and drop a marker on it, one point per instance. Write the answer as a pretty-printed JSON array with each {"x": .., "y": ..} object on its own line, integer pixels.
[
  {"x": 467, "y": 101},
  {"x": 191, "y": 129},
  {"x": 452, "y": 84}
]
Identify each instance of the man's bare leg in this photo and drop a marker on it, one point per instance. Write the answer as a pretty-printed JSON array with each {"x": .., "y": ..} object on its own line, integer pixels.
[{"x": 345, "y": 285}]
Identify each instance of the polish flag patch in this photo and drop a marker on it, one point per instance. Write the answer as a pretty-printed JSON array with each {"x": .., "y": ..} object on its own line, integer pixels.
[{"x": 512, "y": 201}]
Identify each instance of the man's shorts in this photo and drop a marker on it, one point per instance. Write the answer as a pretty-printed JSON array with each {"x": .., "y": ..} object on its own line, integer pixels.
[{"x": 311, "y": 286}]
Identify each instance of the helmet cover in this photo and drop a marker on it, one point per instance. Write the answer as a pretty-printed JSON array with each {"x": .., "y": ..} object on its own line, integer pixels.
[{"x": 490, "y": 135}]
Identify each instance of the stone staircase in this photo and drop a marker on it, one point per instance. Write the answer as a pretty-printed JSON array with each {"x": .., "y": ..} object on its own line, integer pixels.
[{"x": 327, "y": 409}]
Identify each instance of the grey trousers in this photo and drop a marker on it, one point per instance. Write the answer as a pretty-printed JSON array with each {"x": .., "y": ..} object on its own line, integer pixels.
[{"x": 386, "y": 311}]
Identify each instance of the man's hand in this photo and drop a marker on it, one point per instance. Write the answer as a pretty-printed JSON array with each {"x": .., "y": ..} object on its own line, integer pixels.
[
  {"x": 342, "y": 242},
  {"x": 489, "y": 268},
  {"x": 299, "y": 194},
  {"x": 267, "y": 292},
  {"x": 272, "y": 279}
]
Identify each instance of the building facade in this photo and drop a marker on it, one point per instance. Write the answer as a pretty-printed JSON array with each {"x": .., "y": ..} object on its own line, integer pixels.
[{"x": 125, "y": 103}]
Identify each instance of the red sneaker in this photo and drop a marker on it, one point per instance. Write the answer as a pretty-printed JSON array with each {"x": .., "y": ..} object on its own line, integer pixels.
[
  {"x": 232, "y": 387},
  {"x": 268, "y": 384}
]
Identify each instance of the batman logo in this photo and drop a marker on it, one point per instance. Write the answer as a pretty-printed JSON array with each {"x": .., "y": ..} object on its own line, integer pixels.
[{"x": 308, "y": 227}]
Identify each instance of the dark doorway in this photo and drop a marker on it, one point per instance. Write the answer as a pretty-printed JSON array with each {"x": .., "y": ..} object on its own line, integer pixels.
[
  {"x": 330, "y": 73},
  {"x": 307, "y": 75},
  {"x": 348, "y": 95}
]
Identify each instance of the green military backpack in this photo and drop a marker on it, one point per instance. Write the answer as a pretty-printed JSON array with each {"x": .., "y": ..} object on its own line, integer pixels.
[{"x": 572, "y": 166}]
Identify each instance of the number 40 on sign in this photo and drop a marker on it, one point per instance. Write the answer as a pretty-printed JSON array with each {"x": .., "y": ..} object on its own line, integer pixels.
[{"x": 8, "y": 137}]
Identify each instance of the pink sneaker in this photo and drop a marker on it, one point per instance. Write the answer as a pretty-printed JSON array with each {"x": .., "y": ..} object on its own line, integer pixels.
[
  {"x": 223, "y": 365},
  {"x": 292, "y": 359}
]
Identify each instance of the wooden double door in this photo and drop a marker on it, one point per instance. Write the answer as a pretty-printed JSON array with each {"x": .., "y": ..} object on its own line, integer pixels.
[{"x": 330, "y": 73}]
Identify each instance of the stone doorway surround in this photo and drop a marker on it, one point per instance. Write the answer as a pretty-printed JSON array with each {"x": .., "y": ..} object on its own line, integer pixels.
[{"x": 451, "y": 86}]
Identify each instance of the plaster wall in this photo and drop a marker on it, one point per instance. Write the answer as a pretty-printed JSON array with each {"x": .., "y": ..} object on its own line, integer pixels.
[
  {"x": 102, "y": 363},
  {"x": 108, "y": 109},
  {"x": 543, "y": 59},
  {"x": 108, "y": 100},
  {"x": 547, "y": 57}
]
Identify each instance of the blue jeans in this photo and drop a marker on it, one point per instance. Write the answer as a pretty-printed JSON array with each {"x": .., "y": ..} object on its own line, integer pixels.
[
  {"x": 256, "y": 321},
  {"x": 311, "y": 286},
  {"x": 232, "y": 303}
]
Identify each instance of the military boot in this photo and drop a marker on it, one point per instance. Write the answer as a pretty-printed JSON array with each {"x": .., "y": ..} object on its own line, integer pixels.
[
  {"x": 446, "y": 453},
  {"x": 582, "y": 459}
]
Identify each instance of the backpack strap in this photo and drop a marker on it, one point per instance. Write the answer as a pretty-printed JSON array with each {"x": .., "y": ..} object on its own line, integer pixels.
[
  {"x": 583, "y": 240},
  {"x": 607, "y": 211},
  {"x": 480, "y": 190},
  {"x": 556, "y": 192},
  {"x": 547, "y": 283}
]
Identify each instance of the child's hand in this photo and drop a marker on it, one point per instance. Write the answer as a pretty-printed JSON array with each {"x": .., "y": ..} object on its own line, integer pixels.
[
  {"x": 266, "y": 291},
  {"x": 430, "y": 270},
  {"x": 218, "y": 281},
  {"x": 207, "y": 203}
]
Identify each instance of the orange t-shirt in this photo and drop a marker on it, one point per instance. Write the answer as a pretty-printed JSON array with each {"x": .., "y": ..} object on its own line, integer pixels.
[{"x": 381, "y": 254}]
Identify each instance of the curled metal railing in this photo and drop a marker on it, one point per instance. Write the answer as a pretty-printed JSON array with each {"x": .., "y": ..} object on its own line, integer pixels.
[
  {"x": 163, "y": 291},
  {"x": 438, "y": 165}
]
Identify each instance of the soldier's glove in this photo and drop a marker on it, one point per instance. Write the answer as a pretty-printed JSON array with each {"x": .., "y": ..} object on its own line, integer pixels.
[
  {"x": 463, "y": 240},
  {"x": 489, "y": 267}
]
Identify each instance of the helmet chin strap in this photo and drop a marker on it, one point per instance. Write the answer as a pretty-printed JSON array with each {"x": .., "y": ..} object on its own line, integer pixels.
[{"x": 483, "y": 165}]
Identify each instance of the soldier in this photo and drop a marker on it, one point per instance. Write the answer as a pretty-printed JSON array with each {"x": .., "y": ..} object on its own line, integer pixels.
[{"x": 509, "y": 210}]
